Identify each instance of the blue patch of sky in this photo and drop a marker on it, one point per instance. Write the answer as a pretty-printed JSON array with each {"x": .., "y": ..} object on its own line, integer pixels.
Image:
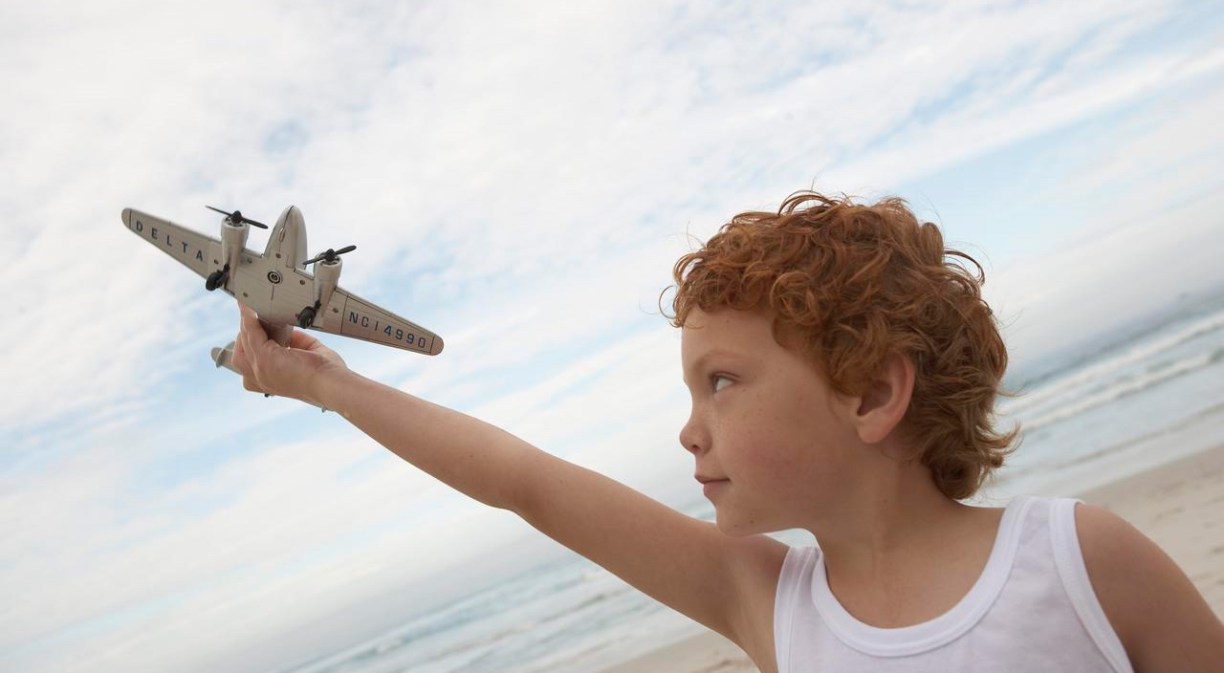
[
  {"x": 990, "y": 202},
  {"x": 932, "y": 110},
  {"x": 1013, "y": 202},
  {"x": 511, "y": 378},
  {"x": 400, "y": 54},
  {"x": 166, "y": 474},
  {"x": 202, "y": 422},
  {"x": 711, "y": 27},
  {"x": 1190, "y": 26},
  {"x": 286, "y": 136},
  {"x": 786, "y": 72},
  {"x": 413, "y": 284},
  {"x": 415, "y": 274},
  {"x": 200, "y": 180},
  {"x": 38, "y": 446},
  {"x": 358, "y": 470},
  {"x": 1178, "y": 28}
]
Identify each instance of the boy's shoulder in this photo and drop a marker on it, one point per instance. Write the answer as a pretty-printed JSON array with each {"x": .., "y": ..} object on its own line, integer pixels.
[
  {"x": 1158, "y": 614},
  {"x": 1113, "y": 551}
]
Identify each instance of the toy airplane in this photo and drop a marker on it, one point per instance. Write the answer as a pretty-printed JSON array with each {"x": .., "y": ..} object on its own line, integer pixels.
[{"x": 276, "y": 284}]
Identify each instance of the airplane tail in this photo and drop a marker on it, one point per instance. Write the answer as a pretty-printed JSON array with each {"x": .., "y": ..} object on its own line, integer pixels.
[{"x": 223, "y": 357}]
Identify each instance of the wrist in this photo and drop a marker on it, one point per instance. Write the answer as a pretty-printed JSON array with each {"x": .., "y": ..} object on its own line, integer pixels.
[{"x": 326, "y": 389}]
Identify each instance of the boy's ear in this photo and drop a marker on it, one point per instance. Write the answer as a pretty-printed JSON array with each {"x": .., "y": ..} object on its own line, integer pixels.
[{"x": 882, "y": 407}]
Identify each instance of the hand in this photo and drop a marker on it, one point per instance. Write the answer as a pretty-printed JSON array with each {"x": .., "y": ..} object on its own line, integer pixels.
[{"x": 267, "y": 367}]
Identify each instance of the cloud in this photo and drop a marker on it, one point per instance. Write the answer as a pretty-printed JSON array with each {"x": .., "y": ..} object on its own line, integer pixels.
[{"x": 503, "y": 145}]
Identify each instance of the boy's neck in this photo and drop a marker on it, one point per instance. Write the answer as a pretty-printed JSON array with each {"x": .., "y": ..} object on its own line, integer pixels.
[{"x": 898, "y": 522}]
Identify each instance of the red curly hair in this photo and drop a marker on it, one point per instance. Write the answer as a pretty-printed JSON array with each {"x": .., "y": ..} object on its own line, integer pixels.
[{"x": 859, "y": 283}]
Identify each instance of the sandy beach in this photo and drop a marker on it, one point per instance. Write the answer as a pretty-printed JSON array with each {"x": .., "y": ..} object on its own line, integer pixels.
[{"x": 1180, "y": 506}]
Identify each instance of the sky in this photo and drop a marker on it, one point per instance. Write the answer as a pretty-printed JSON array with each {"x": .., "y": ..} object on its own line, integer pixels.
[{"x": 518, "y": 177}]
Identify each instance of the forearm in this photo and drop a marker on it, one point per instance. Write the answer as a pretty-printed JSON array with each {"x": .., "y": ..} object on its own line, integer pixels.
[{"x": 473, "y": 457}]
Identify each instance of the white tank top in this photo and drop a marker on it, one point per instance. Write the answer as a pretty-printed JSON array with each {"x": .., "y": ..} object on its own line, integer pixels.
[{"x": 1032, "y": 609}]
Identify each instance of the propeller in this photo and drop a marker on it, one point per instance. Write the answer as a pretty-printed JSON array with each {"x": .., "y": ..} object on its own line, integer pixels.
[
  {"x": 331, "y": 255},
  {"x": 237, "y": 218}
]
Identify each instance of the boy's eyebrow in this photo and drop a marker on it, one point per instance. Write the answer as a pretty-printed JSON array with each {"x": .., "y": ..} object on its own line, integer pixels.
[{"x": 708, "y": 355}]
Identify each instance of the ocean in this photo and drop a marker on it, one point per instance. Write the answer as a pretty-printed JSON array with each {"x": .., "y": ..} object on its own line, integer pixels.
[{"x": 1150, "y": 400}]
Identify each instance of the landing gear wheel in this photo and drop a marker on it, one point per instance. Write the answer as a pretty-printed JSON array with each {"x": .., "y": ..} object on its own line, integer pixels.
[
  {"x": 306, "y": 317},
  {"x": 215, "y": 280}
]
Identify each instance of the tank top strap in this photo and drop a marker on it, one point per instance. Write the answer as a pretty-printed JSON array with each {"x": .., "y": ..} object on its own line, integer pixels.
[
  {"x": 792, "y": 609},
  {"x": 1069, "y": 559}
]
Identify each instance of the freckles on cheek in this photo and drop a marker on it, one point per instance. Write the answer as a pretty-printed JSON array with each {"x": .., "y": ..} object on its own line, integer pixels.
[
  {"x": 783, "y": 443},
  {"x": 776, "y": 452}
]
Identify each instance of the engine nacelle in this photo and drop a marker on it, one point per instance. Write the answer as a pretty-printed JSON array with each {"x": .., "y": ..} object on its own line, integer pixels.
[
  {"x": 326, "y": 275},
  {"x": 233, "y": 242}
]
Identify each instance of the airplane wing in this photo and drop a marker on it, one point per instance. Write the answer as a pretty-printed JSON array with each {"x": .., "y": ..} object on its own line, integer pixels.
[
  {"x": 193, "y": 249},
  {"x": 351, "y": 316}
]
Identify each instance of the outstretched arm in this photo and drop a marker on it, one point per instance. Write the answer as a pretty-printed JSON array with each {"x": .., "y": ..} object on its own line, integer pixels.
[{"x": 724, "y": 583}]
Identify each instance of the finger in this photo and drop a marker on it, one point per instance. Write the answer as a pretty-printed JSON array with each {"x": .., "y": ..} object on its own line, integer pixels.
[
  {"x": 256, "y": 336},
  {"x": 238, "y": 359},
  {"x": 239, "y": 362},
  {"x": 242, "y": 341},
  {"x": 241, "y": 319},
  {"x": 255, "y": 339}
]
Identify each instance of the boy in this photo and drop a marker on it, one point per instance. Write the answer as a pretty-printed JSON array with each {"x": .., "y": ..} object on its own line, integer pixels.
[{"x": 842, "y": 375}]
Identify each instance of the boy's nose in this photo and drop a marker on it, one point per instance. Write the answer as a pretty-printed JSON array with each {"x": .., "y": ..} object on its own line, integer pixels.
[{"x": 692, "y": 439}]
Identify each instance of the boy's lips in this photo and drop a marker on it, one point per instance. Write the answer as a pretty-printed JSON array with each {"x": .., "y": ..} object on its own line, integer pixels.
[{"x": 712, "y": 485}]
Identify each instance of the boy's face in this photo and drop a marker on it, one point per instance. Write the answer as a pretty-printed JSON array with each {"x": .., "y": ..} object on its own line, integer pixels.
[{"x": 766, "y": 430}]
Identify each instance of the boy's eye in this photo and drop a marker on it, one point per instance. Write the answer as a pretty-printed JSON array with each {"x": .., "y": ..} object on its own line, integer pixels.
[{"x": 719, "y": 381}]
